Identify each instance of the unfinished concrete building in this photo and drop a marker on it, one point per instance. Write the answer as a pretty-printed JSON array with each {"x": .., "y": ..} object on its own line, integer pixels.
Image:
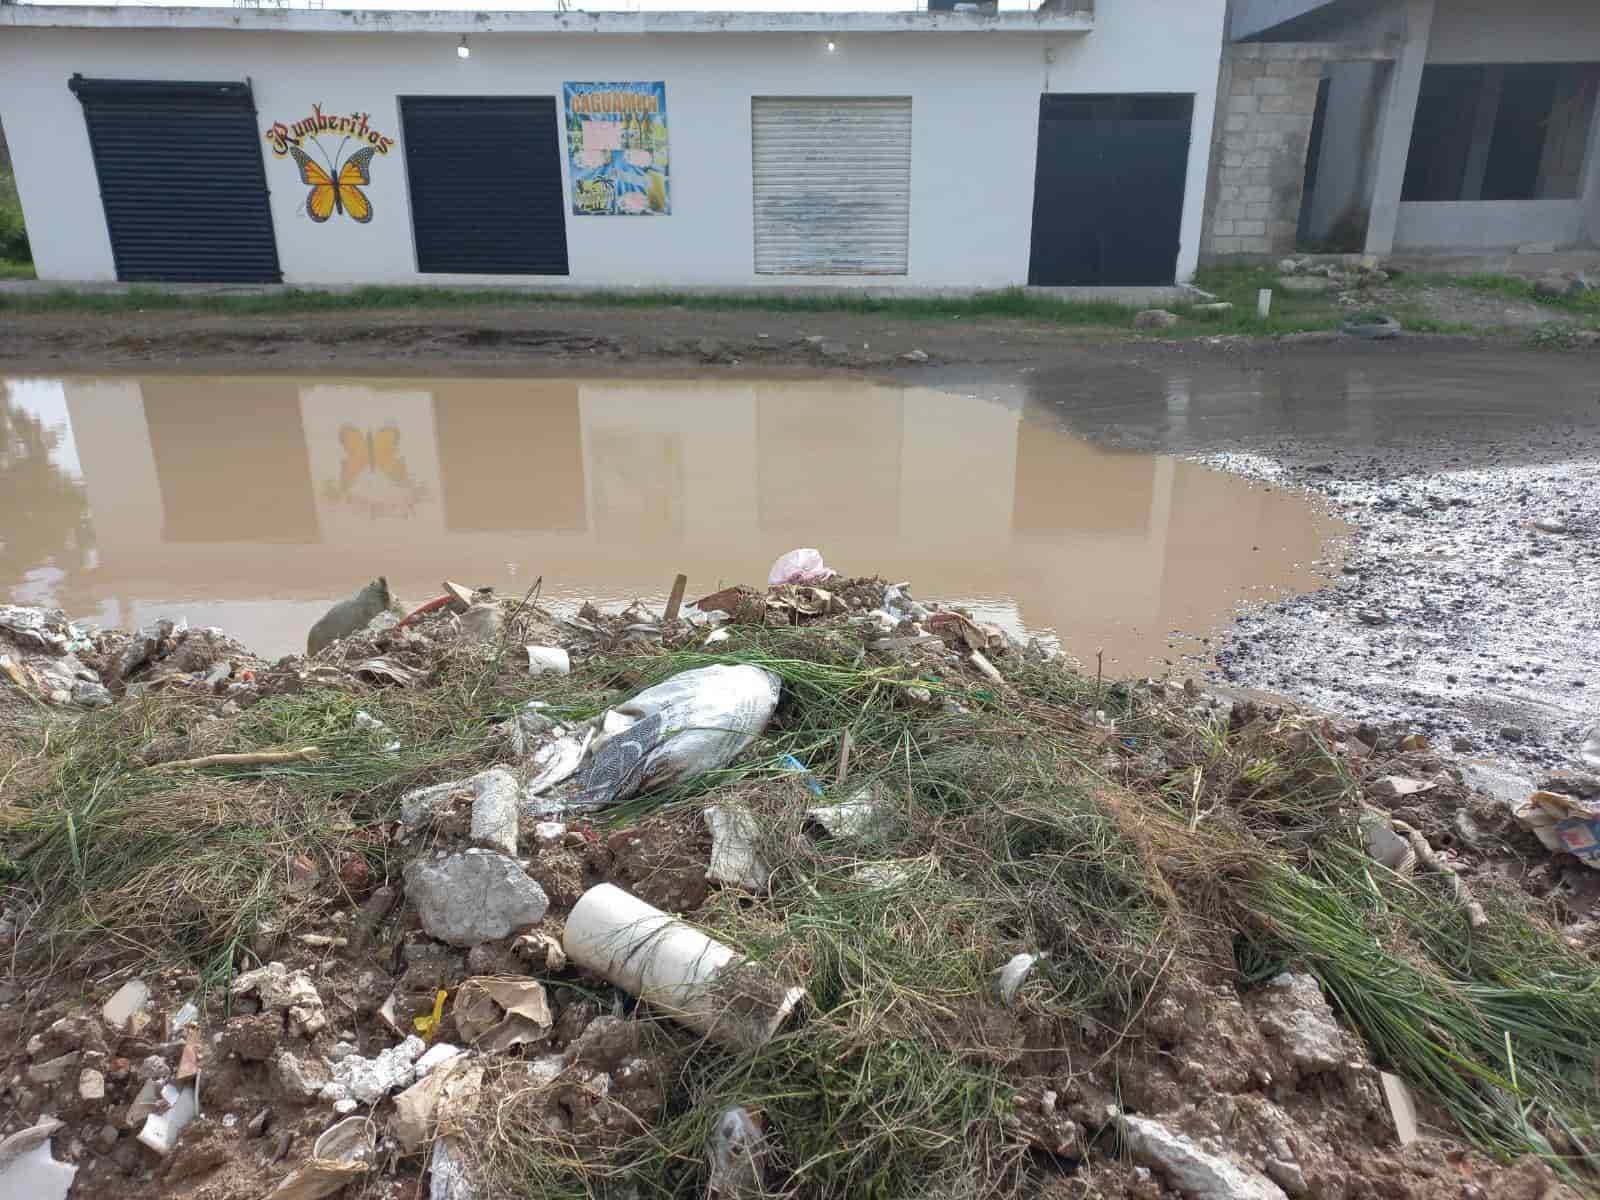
[{"x": 1406, "y": 127}]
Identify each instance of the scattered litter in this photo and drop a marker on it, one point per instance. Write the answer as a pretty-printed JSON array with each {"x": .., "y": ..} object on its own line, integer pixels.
[
  {"x": 340, "y": 1155},
  {"x": 736, "y": 1150},
  {"x": 548, "y": 659},
  {"x": 427, "y": 1025},
  {"x": 384, "y": 669},
  {"x": 127, "y": 1001},
  {"x": 541, "y": 947},
  {"x": 28, "y": 1170},
  {"x": 1014, "y": 974},
  {"x": 799, "y": 566},
  {"x": 495, "y": 1014},
  {"x": 702, "y": 983},
  {"x": 1398, "y": 787},
  {"x": 864, "y": 814},
  {"x": 368, "y": 1080},
  {"x": 481, "y": 623},
  {"x": 349, "y": 616},
  {"x": 985, "y": 667},
  {"x": 437, "y": 1056},
  {"x": 556, "y": 762},
  {"x": 184, "y": 1017},
  {"x": 424, "y": 1105},
  {"x": 367, "y": 723},
  {"x": 734, "y": 833},
  {"x": 161, "y": 1129},
  {"x": 1402, "y": 1108},
  {"x": 811, "y": 783},
  {"x": 1564, "y": 824},
  {"x": 255, "y": 758},
  {"x": 1384, "y": 844},
  {"x": 448, "y": 1173},
  {"x": 280, "y": 989},
  {"x": 694, "y": 722}
]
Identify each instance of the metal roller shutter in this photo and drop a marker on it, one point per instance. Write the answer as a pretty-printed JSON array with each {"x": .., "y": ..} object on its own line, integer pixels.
[
  {"x": 832, "y": 185},
  {"x": 181, "y": 179},
  {"x": 486, "y": 192}
]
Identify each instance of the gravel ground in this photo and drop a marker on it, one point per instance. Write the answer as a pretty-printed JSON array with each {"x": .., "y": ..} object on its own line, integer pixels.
[{"x": 1469, "y": 604}]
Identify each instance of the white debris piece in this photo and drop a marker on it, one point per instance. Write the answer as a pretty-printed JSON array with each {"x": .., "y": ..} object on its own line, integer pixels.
[
  {"x": 449, "y": 1173},
  {"x": 161, "y": 1130},
  {"x": 734, "y": 833},
  {"x": 1014, "y": 974},
  {"x": 437, "y": 1056},
  {"x": 368, "y": 1080},
  {"x": 283, "y": 990},
  {"x": 124, "y": 1003},
  {"x": 494, "y": 810},
  {"x": 546, "y": 659},
  {"x": 28, "y": 1171},
  {"x": 556, "y": 762},
  {"x": 1191, "y": 1171},
  {"x": 1294, "y": 1012}
]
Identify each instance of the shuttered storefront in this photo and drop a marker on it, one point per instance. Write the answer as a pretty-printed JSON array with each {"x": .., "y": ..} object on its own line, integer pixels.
[
  {"x": 832, "y": 186},
  {"x": 485, "y": 179},
  {"x": 181, "y": 180}
]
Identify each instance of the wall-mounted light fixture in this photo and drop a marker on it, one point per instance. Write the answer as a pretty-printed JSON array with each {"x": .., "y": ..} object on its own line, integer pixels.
[
  {"x": 832, "y": 46},
  {"x": 463, "y": 50}
]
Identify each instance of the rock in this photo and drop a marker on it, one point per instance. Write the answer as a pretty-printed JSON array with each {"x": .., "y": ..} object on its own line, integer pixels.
[
  {"x": 1513, "y": 733},
  {"x": 494, "y": 810},
  {"x": 734, "y": 834},
  {"x": 90, "y": 695},
  {"x": 349, "y": 616},
  {"x": 547, "y": 835},
  {"x": 1293, "y": 1012},
  {"x": 914, "y": 356},
  {"x": 1191, "y": 1171},
  {"x": 1550, "y": 286},
  {"x": 1155, "y": 318},
  {"x": 1289, "y": 266},
  {"x": 256, "y": 1126},
  {"x": 300, "y": 1079},
  {"x": 1589, "y": 751},
  {"x": 424, "y": 805},
  {"x": 368, "y": 1080},
  {"x": 91, "y": 1086},
  {"x": 1508, "y": 787},
  {"x": 1551, "y": 525},
  {"x": 253, "y": 1038},
  {"x": 1287, "y": 1175},
  {"x": 1369, "y": 616},
  {"x": 1218, "y": 308},
  {"x": 481, "y": 623},
  {"x": 475, "y": 896},
  {"x": 205, "y": 1149},
  {"x": 106, "y": 1140},
  {"x": 53, "y": 1070},
  {"x": 833, "y": 350},
  {"x": 124, "y": 1003},
  {"x": 1305, "y": 283},
  {"x": 283, "y": 990},
  {"x": 154, "y": 1067},
  {"x": 709, "y": 349}
]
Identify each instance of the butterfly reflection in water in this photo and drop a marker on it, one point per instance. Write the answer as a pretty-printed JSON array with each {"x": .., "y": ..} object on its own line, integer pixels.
[
  {"x": 340, "y": 191},
  {"x": 373, "y": 479}
]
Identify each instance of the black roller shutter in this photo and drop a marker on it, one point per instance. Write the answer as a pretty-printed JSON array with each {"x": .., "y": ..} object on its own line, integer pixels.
[
  {"x": 485, "y": 178},
  {"x": 1108, "y": 190},
  {"x": 181, "y": 179}
]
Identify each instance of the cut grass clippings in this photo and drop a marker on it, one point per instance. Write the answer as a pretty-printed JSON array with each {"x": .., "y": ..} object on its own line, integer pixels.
[{"x": 1009, "y": 824}]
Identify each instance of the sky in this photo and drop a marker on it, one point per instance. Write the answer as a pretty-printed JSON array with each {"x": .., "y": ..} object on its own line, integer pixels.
[{"x": 584, "y": 5}]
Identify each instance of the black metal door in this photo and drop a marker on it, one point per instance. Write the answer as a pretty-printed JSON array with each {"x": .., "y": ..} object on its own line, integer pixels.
[
  {"x": 485, "y": 177},
  {"x": 181, "y": 179},
  {"x": 1108, "y": 191}
]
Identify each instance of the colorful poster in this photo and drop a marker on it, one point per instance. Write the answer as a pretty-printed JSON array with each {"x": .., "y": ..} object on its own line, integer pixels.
[{"x": 617, "y": 149}]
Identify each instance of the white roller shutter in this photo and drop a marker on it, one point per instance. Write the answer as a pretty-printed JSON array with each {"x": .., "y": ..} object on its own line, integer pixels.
[{"x": 832, "y": 185}]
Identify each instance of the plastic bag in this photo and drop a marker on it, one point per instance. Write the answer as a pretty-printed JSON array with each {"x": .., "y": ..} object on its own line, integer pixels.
[
  {"x": 694, "y": 722},
  {"x": 799, "y": 566}
]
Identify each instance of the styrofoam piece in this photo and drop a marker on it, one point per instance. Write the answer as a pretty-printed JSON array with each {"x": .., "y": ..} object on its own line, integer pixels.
[
  {"x": 28, "y": 1170},
  {"x": 543, "y": 659},
  {"x": 161, "y": 1130},
  {"x": 697, "y": 980},
  {"x": 1014, "y": 974}
]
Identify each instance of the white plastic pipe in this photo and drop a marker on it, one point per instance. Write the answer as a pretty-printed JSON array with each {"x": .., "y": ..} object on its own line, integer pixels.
[{"x": 695, "y": 979}]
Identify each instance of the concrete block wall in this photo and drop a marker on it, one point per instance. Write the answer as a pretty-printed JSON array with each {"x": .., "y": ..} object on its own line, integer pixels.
[{"x": 1266, "y": 101}]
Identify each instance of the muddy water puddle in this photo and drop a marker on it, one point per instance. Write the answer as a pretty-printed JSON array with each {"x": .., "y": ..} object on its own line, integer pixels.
[{"x": 252, "y": 502}]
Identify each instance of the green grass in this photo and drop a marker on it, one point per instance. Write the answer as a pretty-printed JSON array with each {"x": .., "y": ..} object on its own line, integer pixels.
[
  {"x": 15, "y": 260},
  {"x": 1584, "y": 304}
]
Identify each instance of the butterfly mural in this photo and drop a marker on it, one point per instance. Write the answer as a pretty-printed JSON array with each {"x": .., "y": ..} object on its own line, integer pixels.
[
  {"x": 338, "y": 191},
  {"x": 373, "y": 478}
]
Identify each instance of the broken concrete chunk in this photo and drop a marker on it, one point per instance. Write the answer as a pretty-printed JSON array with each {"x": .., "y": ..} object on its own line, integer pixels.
[
  {"x": 54, "y": 1070},
  {"x": 146, "y": 1102},
  {"x": 282, "y": 990},
  {"x": 1293, "y": 1012},
  {"x": 300, "y": 1079},
  {"x": 1384, "y": 845},
  {"x": 734, "y": 833},
  {"x": 91, "y": 1085},
  {"x": 475, "y": 896},
  {"x": 481, "y": 623},
  {"x": 736, "y": 1150},
  {"x": 494, "y": 810},
  {"x": 1188, "y": 1169},
  {"x": 28, "y": 1170},
  {"x": 125, "y": 1001},
  {"x": 1397, "y": 787},
  {"x": 864, "y": 814}
]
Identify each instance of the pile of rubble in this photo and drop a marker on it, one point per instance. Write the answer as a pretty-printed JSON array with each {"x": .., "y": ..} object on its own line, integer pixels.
[
  {"x": 515, "y": 940},
  {"x": 1340, "y": 274}
]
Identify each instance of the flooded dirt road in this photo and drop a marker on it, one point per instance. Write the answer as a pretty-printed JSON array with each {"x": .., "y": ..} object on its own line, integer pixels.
[
  {"x": 253, "y": 502},
  {"x": 1469, "y": 607}
]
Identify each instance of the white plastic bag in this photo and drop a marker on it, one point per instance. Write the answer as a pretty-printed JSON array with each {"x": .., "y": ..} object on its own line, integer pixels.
[
  {"x": 694, "y": 722},
  {"x": 799, "y": 566}
]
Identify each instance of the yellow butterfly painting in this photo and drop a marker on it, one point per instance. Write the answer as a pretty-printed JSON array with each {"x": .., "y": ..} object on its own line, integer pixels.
[
  {"x": 377, "y": 451},
  {"x": 340, "y": 190},
  {"x": 373, "y": 478}
]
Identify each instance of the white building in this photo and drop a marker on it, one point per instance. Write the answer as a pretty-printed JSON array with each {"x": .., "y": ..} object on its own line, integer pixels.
[{"x": 908, "y": 150}]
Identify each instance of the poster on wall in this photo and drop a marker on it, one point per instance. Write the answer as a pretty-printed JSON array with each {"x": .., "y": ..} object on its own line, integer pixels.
[
  {"x": 617, "y": 146},
  {"x": 335, "y": 170}
]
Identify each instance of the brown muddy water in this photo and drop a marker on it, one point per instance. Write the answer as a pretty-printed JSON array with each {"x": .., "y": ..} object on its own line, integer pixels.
[{"x": 252, "y": 502}]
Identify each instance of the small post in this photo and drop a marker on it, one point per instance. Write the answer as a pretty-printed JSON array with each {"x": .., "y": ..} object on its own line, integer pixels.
[
  {"x": 1264, "y": 303},
  {"x": 675, "y": 601},
  {"x": 844, "y": 759}
]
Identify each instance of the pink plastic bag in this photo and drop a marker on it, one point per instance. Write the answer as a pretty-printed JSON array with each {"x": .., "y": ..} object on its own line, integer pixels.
[{"x": 799, "y": 566}]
